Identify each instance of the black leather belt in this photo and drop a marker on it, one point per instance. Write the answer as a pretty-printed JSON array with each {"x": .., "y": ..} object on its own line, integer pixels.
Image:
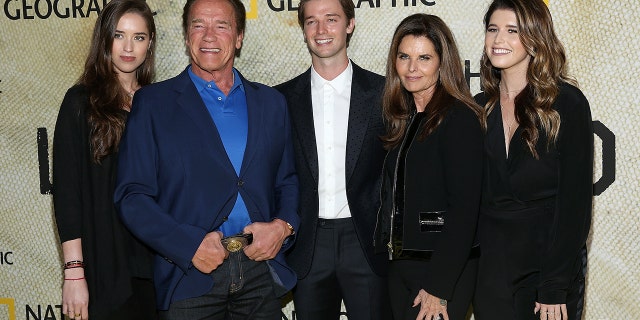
[{"x": 237, "y": 242}]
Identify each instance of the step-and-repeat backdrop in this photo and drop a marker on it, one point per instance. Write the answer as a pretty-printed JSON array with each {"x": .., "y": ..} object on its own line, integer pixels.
[{"x": 43, "y": 44}]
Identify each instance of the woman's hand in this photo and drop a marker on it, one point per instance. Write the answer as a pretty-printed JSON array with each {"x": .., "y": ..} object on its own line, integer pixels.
[
  {"x": 431, "y": 307},
  {"x": 551, "y": 311},
  {"x": 75, "y": 299}
]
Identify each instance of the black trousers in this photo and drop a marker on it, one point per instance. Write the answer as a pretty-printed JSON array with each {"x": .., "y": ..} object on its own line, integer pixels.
[
  {"x": 513, "y": 245},
  {"x": 340, "y": 271},
  {"x": 403, "y": 288}
]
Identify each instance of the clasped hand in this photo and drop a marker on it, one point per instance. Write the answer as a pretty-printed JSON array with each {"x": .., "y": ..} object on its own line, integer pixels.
[{"x": 267, "y": 241}]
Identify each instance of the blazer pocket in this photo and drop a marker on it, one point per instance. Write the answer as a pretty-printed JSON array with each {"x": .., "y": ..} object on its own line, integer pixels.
[{"x": 431, "y": 221}]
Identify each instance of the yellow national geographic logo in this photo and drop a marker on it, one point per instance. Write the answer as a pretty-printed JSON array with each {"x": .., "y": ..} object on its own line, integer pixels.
[
  {"x": 11, "y": 307},
  {"x": 252, "y": 10}
]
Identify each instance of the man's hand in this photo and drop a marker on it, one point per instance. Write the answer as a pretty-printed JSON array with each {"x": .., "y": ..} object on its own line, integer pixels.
[
  {"x": 210, "y": 253},
  {"x": 267, "y": 239}
]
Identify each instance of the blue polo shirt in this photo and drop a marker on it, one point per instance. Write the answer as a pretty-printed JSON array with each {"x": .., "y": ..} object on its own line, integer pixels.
[{"x": 229, "y": 113}]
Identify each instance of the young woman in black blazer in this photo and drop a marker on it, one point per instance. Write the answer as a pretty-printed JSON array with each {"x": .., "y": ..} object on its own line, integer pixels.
[
  {"x": 537, "y": 193},
  {"x": 432, "y": 175}
]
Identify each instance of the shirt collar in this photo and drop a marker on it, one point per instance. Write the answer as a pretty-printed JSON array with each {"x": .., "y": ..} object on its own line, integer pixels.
[
  {"x": 340, "y": 83},
  {"x": 201, "y": 84}
]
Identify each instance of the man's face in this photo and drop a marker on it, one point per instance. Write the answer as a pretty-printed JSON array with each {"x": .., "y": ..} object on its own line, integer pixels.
[
  {"x": 325, "y": 29},
  {"x": 212, "y": 37}
]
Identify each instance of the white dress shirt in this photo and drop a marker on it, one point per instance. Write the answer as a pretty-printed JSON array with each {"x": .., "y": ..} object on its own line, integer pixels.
[{"x": 331, "y": 100}]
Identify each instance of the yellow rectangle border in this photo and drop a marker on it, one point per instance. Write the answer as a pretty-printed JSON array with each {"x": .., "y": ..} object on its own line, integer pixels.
[
  {"x": 11, "y": 306},
  {"x": 253, "y": 10}
]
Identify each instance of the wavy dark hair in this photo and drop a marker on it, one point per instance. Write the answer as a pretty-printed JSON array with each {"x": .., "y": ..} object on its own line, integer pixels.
[
  {"x": 398, "y": 103},
  {"x": 107, "y": 97},
  {"x": 546, "y": 71}
]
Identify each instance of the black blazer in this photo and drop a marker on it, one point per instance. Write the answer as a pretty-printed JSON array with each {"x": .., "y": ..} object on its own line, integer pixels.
[
  {"x": 364, "y": 158},
  {"x": 443, "y": 172}
]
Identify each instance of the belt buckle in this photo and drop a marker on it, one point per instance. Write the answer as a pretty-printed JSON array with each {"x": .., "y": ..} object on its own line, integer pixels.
[{"x": 237, "y": 242}]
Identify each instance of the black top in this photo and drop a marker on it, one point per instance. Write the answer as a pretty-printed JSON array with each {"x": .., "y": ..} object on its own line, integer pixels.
[
  {"x": 563, "y": 176},
  {"x": 443, "y": 172},
  {"x": 83, "y": 205}
]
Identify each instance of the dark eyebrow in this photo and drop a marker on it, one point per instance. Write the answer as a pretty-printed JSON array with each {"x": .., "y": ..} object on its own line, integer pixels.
[
  {"x": 508, "y": 26},
  {"x": 326, "y": 15},
  {"x": 138, "y": 33}
]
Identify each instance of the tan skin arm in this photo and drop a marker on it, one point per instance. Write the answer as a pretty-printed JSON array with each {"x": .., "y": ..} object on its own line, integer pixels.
[{"x": 75, "y": 293}]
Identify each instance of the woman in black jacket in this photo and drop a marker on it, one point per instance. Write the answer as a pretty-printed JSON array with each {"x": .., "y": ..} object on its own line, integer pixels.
[
  {"x": 107, "y": 272},
  {"x": 432, "y": 175},
  {"x": 536, "y": 200}
]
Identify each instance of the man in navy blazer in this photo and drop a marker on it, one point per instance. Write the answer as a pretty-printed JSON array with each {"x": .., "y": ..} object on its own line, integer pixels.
[
  {"x": 209, "y": 154},
  {"x": 337, "y": 123}
]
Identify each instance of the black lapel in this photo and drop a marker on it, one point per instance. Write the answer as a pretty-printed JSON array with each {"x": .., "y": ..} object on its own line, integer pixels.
[
  {"x": 362, "y": 100},
  {"x": 301, "y": 110}
]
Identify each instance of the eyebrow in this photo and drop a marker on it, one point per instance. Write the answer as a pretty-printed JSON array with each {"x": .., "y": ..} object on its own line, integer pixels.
[
  {"x": 326, "y": 15},
  {"x": 120, "y": 31},
  {"x": 508, "y": 26},
  {"x": 200, "y": 20}
]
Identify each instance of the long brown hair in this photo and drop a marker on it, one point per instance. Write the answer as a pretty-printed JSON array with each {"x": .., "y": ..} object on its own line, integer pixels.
[
  {"x": 398, "y": 103},
  {"x": 107, "y": 97},
  {"x": 546, "y": 71}
]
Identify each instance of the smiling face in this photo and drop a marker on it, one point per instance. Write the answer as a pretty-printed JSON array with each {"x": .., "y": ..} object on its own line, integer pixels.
[
  {"x": 502, "y": 42},
  {"x": 212, "y": 38},
  {"x": 325, "y": 29},
  {"x": 418, "y": 66},
  {"x": 130, "y": 44}
]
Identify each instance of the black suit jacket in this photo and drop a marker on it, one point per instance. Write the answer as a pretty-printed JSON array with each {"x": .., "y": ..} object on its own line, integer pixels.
[
  {"x": 363, "y": 163},
  {"x": 443, "y": 172}
]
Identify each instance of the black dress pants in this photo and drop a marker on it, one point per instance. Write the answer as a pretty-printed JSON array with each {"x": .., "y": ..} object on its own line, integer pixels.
[{"x": 340, "y": 271}]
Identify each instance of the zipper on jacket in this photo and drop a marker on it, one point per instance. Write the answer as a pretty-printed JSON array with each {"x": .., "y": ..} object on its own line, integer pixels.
[{"x": 395, "y": 183}]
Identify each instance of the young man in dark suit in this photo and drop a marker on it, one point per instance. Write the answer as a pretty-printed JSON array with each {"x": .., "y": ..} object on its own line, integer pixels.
[{"x": 336, "y": 119}]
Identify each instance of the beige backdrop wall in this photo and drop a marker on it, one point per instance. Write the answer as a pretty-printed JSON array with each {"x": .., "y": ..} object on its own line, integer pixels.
[{"x": 42, "y": 49}]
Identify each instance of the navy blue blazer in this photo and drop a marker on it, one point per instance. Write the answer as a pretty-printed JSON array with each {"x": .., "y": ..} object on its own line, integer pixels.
[{"x": 176, "y": 183}]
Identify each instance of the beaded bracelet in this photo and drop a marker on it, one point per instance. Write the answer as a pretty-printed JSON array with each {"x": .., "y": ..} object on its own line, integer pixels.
[{"x": 73, "y": 264}]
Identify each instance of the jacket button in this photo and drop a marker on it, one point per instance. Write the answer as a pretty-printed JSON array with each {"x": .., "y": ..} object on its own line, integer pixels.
[
  {"x": 225, "y": 218},
  {"x": 240, "y": 183}
]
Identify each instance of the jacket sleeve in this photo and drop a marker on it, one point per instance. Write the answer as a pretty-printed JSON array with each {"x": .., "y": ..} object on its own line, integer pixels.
[
  {"x": 462, "y": 150},
  {"x": 286, "y": 185},
  {"x": 138, "y": 188},
  {"x": 572, "y": 216},
  {"x": 67, "y": 159}
]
